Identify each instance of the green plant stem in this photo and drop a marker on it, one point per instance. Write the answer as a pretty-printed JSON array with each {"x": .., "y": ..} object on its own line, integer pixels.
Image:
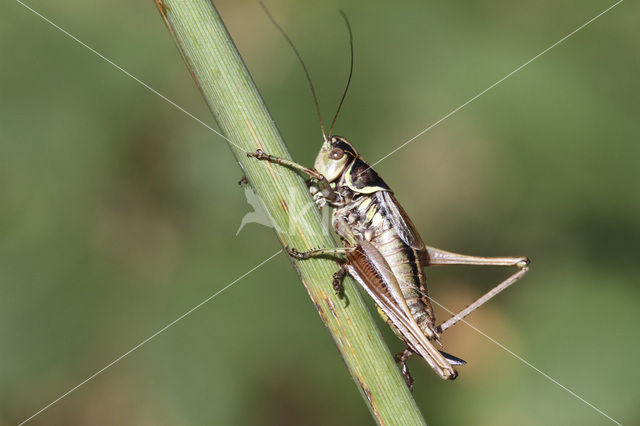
[{"x": 228, "y": 89}]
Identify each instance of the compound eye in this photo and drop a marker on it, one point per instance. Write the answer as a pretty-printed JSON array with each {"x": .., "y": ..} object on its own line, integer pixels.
[{"x": 336, "y": 154}]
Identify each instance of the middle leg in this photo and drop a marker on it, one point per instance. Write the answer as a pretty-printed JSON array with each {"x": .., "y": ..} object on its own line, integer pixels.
[
  {"x": 334, "y": 252},
  {"x": 339, "y": 275}
]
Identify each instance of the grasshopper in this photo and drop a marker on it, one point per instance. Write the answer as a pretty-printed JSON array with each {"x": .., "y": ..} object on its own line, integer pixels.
[{"x": 382, "y": 250}]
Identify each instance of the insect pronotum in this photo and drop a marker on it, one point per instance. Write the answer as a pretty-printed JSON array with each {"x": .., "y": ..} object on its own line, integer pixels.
[{"x": 382, "y": 249}]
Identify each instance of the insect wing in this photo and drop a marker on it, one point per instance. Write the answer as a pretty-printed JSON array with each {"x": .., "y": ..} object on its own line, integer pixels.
[
  {"x": 373, "y": 273},
  {"x": 399, "y": 220}
]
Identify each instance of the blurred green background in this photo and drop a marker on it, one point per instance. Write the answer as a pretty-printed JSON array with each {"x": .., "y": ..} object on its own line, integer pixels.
[{"x": 119, "y": 212}]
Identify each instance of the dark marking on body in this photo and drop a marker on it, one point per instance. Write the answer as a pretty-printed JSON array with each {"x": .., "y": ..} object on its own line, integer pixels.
[{"x": 363, "y": 176}]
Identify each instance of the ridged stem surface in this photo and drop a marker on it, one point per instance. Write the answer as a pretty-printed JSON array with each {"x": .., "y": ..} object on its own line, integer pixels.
[{"x": 237, "y": 106}]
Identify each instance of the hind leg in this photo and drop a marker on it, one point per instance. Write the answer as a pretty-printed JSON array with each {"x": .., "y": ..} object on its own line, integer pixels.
[{"x": 440, "y": 257}]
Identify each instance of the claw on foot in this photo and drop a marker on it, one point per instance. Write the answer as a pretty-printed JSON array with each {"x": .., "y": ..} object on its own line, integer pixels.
[
  {"x": 524, "y": 263},
  {"x": 295, "y": 253},
  {"x": 259, "y": 154},
  {"x": 319, "y": 199}
]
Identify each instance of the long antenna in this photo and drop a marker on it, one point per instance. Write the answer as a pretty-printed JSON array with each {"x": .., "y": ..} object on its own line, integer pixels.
[
  {"x": 306, "y": 71},
  {"x": 346, "y": 89}
]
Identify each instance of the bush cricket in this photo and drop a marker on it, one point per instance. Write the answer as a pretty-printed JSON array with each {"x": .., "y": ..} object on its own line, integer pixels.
[{"x": 382, "y": 249}]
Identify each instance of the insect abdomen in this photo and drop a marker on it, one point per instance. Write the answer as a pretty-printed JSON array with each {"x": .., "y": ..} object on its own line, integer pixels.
[{"x": 408, "y": 270}]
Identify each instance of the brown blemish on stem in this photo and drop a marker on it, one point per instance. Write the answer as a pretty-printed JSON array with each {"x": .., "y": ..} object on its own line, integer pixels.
[
  {"x": 348, "y": 318},
  {"x": 304, "y": 283},
  {"x": 303, "y": 236},
  {"x": 195, "y": 78},
  {"x": 321, "y": 312},
  {"x": 337, "y": 337},
  {"x": 284, "y": 205},
  {"x": 332, "y": 307},
  {"x": 369, "y": 395},
  {"x": 163, "y": 8},
  {"x": 163, "y": 11}
]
